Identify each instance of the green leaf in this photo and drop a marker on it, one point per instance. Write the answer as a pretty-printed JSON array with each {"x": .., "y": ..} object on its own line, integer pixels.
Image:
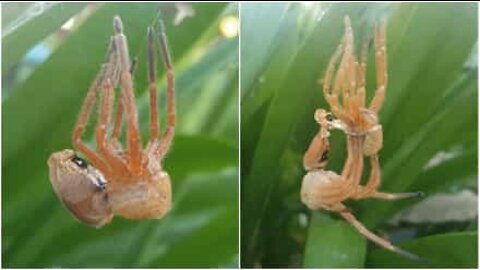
[
  {"x": 189, "y": 154},
  {"x": 333, "y": 244},
  {"x": 35, "y": 23},
  {"x": 452, "y": 250}
]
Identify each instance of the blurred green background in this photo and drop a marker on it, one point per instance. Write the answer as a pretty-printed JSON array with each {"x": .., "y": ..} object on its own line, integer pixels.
[
  {"x": 430, "y": 133},
  {"x": 50, "y": 55}
]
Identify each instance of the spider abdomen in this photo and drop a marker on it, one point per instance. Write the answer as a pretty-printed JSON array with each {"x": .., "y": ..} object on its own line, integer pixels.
[
  {"x": 373, "y": 141},
  {"x": 315, "y": 186},
  {"x": 142, "y": 199}
]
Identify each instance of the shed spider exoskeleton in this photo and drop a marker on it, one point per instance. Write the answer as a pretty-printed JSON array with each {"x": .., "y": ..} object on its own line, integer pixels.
[
  {"x": 328, "y": 190},
  {"x": 127, "y": 182}
]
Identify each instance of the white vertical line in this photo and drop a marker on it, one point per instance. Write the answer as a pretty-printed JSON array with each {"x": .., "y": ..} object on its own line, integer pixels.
[{"x": 239, "y": 136}]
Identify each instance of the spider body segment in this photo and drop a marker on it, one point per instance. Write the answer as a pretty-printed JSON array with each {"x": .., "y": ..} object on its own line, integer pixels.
[{"x": 126, "y": 182}]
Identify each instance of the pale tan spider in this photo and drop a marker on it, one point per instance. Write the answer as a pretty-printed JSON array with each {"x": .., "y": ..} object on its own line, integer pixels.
[
  {"x": 327, "y": 190},
  {"x": 127, "y": 182}
]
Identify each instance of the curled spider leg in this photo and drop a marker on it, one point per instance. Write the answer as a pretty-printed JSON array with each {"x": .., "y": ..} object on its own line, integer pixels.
[
  {"x": 381, "y": 66},
  {"x": 134, "y": 144},
  {"x": 316, "y": 156},
  {"x": 166, "y": 140},
  {"x": 350, "y": 218},
  {"x": 329, "y": 187},
  {"x": 370, "y": 189},
  {"x": 374, "y": 180}
]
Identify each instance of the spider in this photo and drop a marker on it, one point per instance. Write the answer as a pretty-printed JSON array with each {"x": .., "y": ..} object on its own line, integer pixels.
[
  {"x": 127, "y": 182},
  {"x": 322, "y": 189}
]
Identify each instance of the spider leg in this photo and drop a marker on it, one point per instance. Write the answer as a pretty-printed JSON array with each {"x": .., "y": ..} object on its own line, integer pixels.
[
  {"x": 354, "y": 163},
  {"x": 134, "y": 144},
  {"x": 337, "y": 207},
  {"x": 353, "y": 169},
  {"x": 85, "y": 113},
  {"x": 370, "y": 189},
  {"x": 152, "y": 86},
  {"x": 396, "y": 196},
  {"x": 350, "y": 218},
  {"x": 381, "y": 66},
  {"x": 347, "y": 63},
  {"x": 167, "y": 138},
  {"x": 316, "y": 156},
  {"x": 373, "y": 182},
  {"x": 346, "y": 186},
  {"x": 361, "y": 74},
  {"x": 106, "y": 150},
  {"x": 117, "y": 127},
  {"x": 332, "y": 98}
]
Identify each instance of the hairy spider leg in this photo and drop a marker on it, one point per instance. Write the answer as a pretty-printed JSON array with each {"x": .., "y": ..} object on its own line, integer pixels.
[
  {"x": 152, "y": 85},
  {"x": 117, "y": 128},
  {"x": 107, "y": 97},
  {"x": 346, "y": 185},
  {"x": 85, "y": 113},
  {"x": 381, "y": 67},
  {"x": 361, "y": 74},
  {"x": 167, "y": 138},
  {"x": 332, "y": 95},
  {"x": 347, "y": 62},
  {"x": 109, "y": 153},
  {"x": 350, "y": 218},
  {"x": 315, "y": 158},
  {"x": 370, "y": 190},
  {"x": 134, "y": 144},
  {"x": 353, "y": 169}
]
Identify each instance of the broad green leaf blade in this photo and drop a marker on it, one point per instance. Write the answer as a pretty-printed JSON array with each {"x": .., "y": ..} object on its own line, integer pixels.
[
  {"x": 452, "y": 250},
  {"x": 200, "y": 154},
  {"x": 456, "y": 171},
  {"x": 333, "y": 244},
  {"x": 266, "y": 19},
  {"x": 21, "y": 37}
]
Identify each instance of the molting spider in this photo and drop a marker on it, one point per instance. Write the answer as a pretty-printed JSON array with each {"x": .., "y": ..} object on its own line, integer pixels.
[
  {"x": 327, "y": 190},
  {"x": 127, "y": 182}
]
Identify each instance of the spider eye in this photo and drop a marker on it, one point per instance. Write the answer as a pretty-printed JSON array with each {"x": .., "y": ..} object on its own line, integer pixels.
[
  {"x": 324, "y": 156},
  {"x": 80, "y": 162},
  {"x": 329, "y": 117},
  {"x": 100, "y": 182}
]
